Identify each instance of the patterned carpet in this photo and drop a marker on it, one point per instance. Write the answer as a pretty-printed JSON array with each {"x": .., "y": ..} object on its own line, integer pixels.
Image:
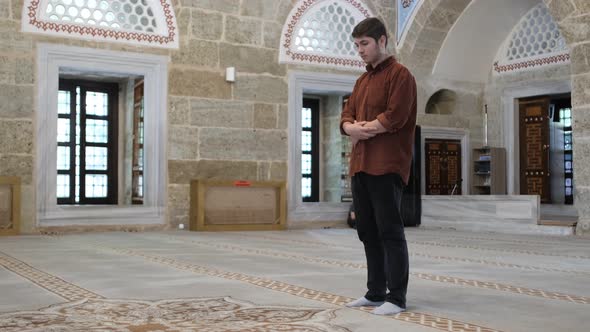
[
  {"x": 204, "y": 314},
  {"x": 293, "y": 280}
]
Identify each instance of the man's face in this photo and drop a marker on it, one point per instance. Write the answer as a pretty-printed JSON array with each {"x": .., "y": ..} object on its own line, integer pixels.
[{"x": 369, "y": 50}]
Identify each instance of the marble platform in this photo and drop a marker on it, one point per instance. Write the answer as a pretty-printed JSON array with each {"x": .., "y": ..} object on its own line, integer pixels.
[
  {"x": 516, "y": 214},
  {"x": 511, "y": 214}
]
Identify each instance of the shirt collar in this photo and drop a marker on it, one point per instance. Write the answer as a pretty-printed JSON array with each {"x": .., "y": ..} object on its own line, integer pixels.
[{"x": 383, "y": 64}]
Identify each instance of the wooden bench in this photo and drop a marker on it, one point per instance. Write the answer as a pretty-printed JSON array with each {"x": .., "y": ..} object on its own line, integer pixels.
[{"x": 10, "y": 196}]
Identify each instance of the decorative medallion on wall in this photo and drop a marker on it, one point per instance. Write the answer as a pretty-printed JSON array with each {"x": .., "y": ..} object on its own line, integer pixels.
[
  {"x": 209, "y": 314},
  {"x": 405, "y": 14},
  {"x": 535, "y": 42},
  {"x": 319, "y": 32},
  {"x": 140, "y": 22}
]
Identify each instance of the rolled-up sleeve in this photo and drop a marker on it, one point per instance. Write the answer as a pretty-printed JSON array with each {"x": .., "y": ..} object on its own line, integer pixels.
[
  {"x": 349, "y": 110},
  {"x": 402, "y": 93}
]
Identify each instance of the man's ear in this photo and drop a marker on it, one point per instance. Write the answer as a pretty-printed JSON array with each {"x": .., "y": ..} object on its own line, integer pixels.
[{"x": 383, "y": 41}]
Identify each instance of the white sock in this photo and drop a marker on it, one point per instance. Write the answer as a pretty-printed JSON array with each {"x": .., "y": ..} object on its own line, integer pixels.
[
  {"x": 387, "y": 308},
  {"x": 363, "y": 302}
]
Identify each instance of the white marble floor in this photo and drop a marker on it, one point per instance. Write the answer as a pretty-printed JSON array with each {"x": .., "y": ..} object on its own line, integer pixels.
[{"x": 288, "y": 281}]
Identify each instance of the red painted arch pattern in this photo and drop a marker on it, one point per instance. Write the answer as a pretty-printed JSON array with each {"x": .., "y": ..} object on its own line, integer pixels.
[{"x": 532, "y": 63}]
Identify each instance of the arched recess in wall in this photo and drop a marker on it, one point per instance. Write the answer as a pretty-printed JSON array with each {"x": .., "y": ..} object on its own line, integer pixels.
[
  {"x": 317, "y": 32},
  {"x": 442, "y": 102},
  {"x": 139, "y": 22}
]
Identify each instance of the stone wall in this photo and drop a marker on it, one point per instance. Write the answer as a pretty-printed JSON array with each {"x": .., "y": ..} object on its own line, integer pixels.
[
  {"x": 499, "y": 85},
  {"x": 429, "y": 29},
  {"x": 16, "y": 106},
  {"x": 216, "y": 129},
  {"x": 18, "y": 90},
  {"x": 238, "y": 130},
  {"x": 467, "y": 112},
  {"x": 573, "y": 19},
  {"x": 220, "y": 130}
]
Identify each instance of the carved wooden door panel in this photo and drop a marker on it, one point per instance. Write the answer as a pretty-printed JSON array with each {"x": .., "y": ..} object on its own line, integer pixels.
[
  {"x": 534, "y": 147},
  {"x": 453, "y": 160},
  {"x": 443, "y": 167},
  {"x": 433, "y": 152}
]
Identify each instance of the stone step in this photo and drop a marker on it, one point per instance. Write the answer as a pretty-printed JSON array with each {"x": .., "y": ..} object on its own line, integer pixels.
[{"x": 561, "y": 223}]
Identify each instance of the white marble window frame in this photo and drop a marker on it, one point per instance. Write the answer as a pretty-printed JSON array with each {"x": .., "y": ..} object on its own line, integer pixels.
[
  {"x": 301, "y": 83},
  {"x": 154, "y": 69}
]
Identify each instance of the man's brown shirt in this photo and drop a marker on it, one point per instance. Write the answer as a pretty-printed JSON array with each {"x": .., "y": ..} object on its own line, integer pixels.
[{"x": 387, "y": 93}]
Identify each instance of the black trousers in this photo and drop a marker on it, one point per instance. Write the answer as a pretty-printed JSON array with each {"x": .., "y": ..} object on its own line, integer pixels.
[{"x": 377, "y": 204}]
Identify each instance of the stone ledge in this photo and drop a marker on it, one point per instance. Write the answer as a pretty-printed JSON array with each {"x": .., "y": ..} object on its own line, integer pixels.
[{"x": 523, "y": 209}]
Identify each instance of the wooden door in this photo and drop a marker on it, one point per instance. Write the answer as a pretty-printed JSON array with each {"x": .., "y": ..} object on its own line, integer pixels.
[
  {"x": 443, "y": 167},
  {"x": 534, "y": 147}
]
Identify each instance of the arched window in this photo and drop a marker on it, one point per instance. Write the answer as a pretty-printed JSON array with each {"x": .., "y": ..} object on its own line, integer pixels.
[
  {"x": 143, "y": 22},
  {"x": 318, "y": 32},
  {"x": 534, "y": 42}
]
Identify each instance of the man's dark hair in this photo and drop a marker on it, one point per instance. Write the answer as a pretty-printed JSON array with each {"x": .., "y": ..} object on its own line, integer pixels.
[{"x": 370, "y": 27}]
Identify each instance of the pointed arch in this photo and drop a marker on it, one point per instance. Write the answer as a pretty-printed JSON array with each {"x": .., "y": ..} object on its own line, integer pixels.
[
  {"x": 143, "y": 22},
  {"x": 318, "y": 32}
]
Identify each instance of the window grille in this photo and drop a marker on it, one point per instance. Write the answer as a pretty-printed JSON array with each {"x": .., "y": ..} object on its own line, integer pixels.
[
  {"x": 319, "y": 32},
  {"x": 535, "y": 41},
  {"x": 565, "y": 117},
  {"x": 536, "y": 34},
  {"x": 145, "y": 22},
  {"x": 86, "y": 143},
  {"x": 310, "y": 150}
]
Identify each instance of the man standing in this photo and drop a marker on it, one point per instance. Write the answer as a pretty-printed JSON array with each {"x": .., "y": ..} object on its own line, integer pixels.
[{"x": 380, "y": 118}]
